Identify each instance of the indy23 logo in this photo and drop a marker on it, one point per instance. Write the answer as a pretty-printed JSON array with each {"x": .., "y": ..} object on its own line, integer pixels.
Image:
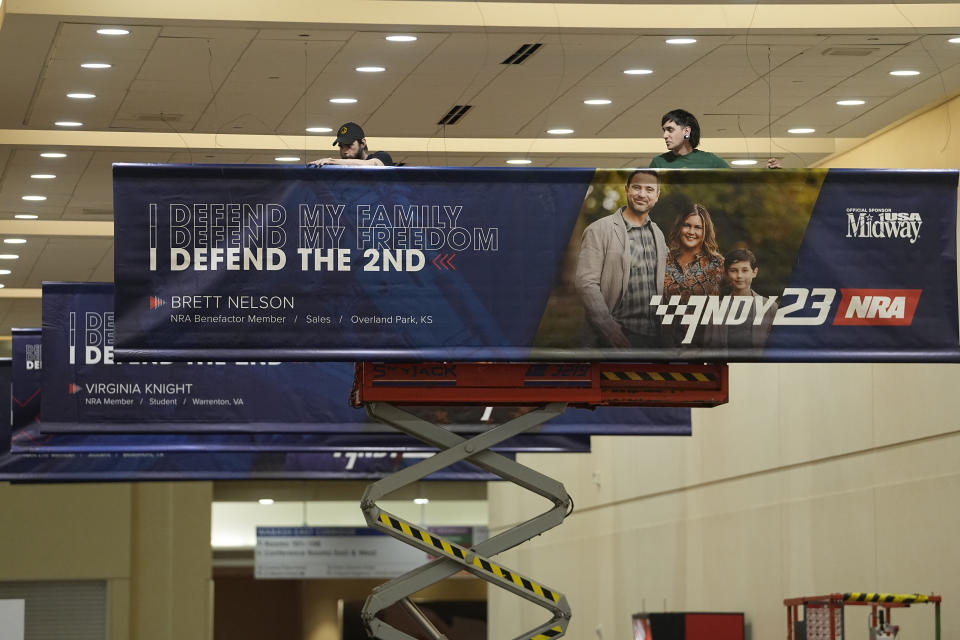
[{"x": 797, "y": 307}]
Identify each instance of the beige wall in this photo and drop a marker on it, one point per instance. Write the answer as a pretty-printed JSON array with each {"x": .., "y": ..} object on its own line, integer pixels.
[
  {"x": 149, "y": 541},
  {"x": 929, "y": 140},
  {"x": 813, "y": 479}
]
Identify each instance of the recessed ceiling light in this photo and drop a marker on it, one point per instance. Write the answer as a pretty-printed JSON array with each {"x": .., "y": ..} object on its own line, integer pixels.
[
  {"x": 681, "y": 40},
  {"x": 851, "y": 103},
  {"x": 743, "y": 163},
  {"x": 954, "y": 40},
  {"x": 519, "y": 161},
  {"x": 638, "y": 72},
  {"x": 287, "y": 159},
  {"x": 68, "y": 123},
  {"x": 25, "y": 216},
  {"x": 597, "y": 101},
  {"x": 559, "y": 132},
  {"x": 96, "y": 65},
  {"x": 42, "y": 176},
  {"x": 801, "y": 130},
  {"x": 265, "y": 500},
  {"x": 5, "y": 272},
  {"x": 37, "y": 198},
  {"x": 421, "y": 501},
  {"x": 401, "y": 38},
  {"x": 9, "y": 256},
  {"x": 905, "y": 72},
  {"x": 113, "y": 32},
  {"x": 371, "y": 69},
  {"x": 53, "y": 154},
  {"x": 82, "y": 96},
  {"x": 319, "y": 129},
  {"x": 14, "y": 241},
  {"x": 343, "y": 100}
]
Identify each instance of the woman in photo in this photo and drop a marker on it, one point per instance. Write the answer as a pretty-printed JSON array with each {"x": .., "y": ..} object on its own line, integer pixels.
[{"x": 694, "y": 265}]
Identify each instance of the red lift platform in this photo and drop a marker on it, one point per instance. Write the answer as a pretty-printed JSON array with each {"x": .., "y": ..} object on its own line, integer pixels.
[
  {"x": 385, "y": 388},
  {"x": 576, "y": 384}
]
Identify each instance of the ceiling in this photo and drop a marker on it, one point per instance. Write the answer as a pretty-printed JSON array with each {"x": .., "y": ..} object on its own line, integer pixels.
[{"x": 190, "y": 86}]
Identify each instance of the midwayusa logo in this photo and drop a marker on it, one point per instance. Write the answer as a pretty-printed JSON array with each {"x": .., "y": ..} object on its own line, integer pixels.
[{"x": 883, "y": 223}]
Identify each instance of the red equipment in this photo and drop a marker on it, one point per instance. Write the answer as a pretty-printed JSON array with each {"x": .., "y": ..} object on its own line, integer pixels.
[
  {"x": 828, "y": 611},
  {"x": 577, "y": 384}
]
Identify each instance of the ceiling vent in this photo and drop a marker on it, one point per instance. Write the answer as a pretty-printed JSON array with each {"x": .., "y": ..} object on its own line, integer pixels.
[
  {"x": 159, "y": 117},
  {"x": 850, "y": 51},
  {"x": 454, "y": 115},
  {"x": 521, "y": 54}
]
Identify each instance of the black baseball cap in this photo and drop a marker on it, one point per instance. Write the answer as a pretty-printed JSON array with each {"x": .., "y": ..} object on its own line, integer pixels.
[{"x": 349, "y": 132}]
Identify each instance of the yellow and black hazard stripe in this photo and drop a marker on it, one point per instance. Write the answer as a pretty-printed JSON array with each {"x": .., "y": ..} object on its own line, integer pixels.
[
  {"x": 549, "y": 633},
  {"x": 896, "y": 598},
  {"x": 516, "y": 579},
  {"x": 659, "y": 376},
  {"x": 460, "y": 553},
  {"x": 408, "y": 529}
]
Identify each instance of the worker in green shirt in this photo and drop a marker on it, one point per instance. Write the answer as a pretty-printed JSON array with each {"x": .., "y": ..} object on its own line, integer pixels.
[{"x": 681, "y": 133}]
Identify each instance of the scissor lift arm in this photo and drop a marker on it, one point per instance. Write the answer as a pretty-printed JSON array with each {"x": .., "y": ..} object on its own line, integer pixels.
[{"x": 383, "y": 388}]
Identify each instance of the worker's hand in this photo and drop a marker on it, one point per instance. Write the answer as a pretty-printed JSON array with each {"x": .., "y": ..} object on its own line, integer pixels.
[
  {"x": 773, "y": 163},
  {"x": 322, "y": 161}
]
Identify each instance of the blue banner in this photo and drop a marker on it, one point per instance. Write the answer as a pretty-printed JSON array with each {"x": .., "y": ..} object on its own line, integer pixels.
[
  {"x": 6, "y": 400},
  {"x": 115, "y": 405},
  {"x": 87, "y": 391},
  {"x": 84, "y": 385},
  {"x": 422, "y": 263},
  {"x": 45, "y": 462}
]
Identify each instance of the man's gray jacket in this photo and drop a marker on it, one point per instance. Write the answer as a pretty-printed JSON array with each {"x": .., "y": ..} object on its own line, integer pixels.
[{"x": 603, "y": 270}]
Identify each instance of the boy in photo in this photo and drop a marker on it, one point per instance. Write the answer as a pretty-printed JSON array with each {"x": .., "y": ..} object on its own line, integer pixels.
[{"x": 740, "y": 270}]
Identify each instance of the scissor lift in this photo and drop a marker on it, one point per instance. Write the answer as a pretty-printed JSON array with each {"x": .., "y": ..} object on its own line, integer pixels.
[{"x": 385, "y": 388}]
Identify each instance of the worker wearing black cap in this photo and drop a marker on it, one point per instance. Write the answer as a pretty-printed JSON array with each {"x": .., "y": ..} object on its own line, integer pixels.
[{"x": 353, "y": 149}]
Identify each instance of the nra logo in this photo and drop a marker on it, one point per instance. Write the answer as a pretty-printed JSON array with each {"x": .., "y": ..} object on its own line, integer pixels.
[
  {"x": 156, "y": 303},
  {"x": 878, "y": 307},
  {"x": 73, "y": 388}
]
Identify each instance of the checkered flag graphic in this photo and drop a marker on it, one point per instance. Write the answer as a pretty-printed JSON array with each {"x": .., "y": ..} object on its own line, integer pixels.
[
  {"x": 688, "y": 312},
  {"x": 669, "y": 310}
]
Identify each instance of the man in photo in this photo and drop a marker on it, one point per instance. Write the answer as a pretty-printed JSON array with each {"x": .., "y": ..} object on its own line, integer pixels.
[
  {"x": 353, "y": 150},
  {"x": 621, "y": 265},
  {"x": 740, "y": 271}
]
